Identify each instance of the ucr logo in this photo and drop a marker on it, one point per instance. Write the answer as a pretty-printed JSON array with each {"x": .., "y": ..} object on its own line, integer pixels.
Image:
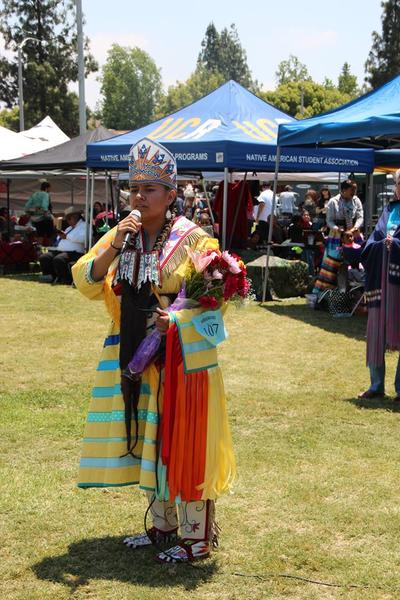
[
  {"x": 183, "y": 129},
  {"x": 263, "y": 129}
]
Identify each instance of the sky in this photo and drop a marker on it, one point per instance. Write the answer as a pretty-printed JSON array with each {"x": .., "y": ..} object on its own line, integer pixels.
[{"x": 321, "y": 33}]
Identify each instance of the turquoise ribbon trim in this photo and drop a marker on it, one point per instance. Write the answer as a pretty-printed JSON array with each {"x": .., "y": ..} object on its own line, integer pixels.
[
  {"x": 117, "y": 416},
  {"x": 106, "y": 440},
  {"x": 115, "y": 463},
  {"x": 115, "y": 390},
  {"x": 197, "y": 347},
  {"x": 105, "y": 485},
  {"x": 108, "y": 365},
  {"x": 106, "y": 391}
]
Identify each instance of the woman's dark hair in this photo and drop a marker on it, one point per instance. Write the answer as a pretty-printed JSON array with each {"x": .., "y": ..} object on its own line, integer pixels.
[
  {"x": 44, "y": 186},
  {"x": 346, "y": 184},
  {"x": 325, "y": 189}
]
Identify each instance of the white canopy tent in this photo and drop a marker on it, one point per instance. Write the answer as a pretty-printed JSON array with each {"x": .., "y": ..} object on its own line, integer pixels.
[{"x": 45, "y": 134}]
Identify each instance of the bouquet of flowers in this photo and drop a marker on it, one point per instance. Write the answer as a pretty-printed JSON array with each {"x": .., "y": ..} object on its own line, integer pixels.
[{"x": 212, "y": 277}]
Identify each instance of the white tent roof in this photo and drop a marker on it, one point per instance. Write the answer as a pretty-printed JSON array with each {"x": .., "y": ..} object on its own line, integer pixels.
[
  {"x": 12, "y": 145},
  {"x": 45, "y": 134}
]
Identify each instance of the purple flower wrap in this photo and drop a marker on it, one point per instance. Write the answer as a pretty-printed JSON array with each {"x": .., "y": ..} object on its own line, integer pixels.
[{"x": 148, "y": 347}]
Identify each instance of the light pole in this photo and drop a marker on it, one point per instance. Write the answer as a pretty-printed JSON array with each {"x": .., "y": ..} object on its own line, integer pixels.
[
  {"x": 20, "y": 84},
  {"x": 81, "y": 68}
]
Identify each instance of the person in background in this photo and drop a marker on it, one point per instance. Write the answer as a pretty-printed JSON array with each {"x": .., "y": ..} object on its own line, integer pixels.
[
  {"x": 344, "y": 213},
  {"x": 295, "y": 229},
  {"x": 287, "y": 201},
  {"x": 278, "y": 234},
  {"x": 7, "y": 223},
  {"x": 97, "y": 209},
  {"x": 38, "y": 207},
  {"x": 264, "y": 209},
  {"x": 179, "y": 202},
  {"x": 310, "y": 203},
  {"x": 381, "y": 260},
  {"x": 305, "y": 220},
  {"x": 324, "y": 197},
  {"x": 189, "y": 195},
  {"x": 71, "y": 246}
]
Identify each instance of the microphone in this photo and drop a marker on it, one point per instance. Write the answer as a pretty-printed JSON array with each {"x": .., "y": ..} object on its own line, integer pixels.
[{"x": 137, "y": 216}]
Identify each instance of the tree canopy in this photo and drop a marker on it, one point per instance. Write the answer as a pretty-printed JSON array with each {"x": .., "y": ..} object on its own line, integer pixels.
[
  {"x": 49, "y": 60},
  {"x": 221, "y": 58},
  {"x": 223, "y": 53},
  {"x": 291, "y": 70},
  {"x": 131, "y": 88},
  {"x": 317, "y": 98},
  {"x": 383, "y": 61},
  {"x": 347, "y": 83}
]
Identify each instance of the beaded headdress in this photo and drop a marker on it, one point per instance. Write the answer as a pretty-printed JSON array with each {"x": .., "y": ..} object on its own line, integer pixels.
[{"x": 150, "y": 162}]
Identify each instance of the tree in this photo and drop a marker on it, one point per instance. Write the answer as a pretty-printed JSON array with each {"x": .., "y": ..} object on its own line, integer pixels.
[
  {"x": 200, "y": 83},
  {"x": 291, "y": 70},
  {"x": 223, "y": 53},
  {"x": 317, "y": 98},
  {"x": 347, "y": 83},
  {"x": 383, "y": 61},
  {"x": 9, "y": 118},
  {"x": 131, "y": 87},
  {"x": 48, "y": 67}
]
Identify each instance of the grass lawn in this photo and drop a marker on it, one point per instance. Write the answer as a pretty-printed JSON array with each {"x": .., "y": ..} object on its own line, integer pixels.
[{"x": 318, "y": 490}]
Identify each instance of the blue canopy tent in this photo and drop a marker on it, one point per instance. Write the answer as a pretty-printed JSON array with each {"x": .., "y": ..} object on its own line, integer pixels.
[
  {"x": 372, "y": 121},
  {"x": 229, "y": 129}
]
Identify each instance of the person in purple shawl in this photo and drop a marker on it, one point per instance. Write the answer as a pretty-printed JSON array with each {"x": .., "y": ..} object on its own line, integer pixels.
[{"x": 381, "y": 260}]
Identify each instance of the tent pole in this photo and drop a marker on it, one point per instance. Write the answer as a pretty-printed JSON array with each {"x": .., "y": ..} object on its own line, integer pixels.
[
  {"x": 224, "y": 208},
  {"x": 91, "y": 212},
  {"x": 87, "y": 216},
  {"x": 106, "y": 193},
  {"x": 270, "y": 228},
  {"x": 370, "y": 202},
  {"x": 237, "y": 208},
  {"x": 111, "y": 195},
  {"x": 203, "y": 183},
  {"x": 8, "y": 209}
]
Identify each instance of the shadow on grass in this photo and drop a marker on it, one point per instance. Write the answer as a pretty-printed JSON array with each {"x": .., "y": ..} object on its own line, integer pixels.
[
  {"x": 21, "y": 276},
  {"x": 107, "y": 558},
  {"x": 353, "y": 327},
  {"x": 381, "y": 403}
]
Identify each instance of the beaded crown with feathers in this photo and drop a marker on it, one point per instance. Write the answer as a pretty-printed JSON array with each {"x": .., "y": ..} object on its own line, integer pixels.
[{"x": 150, "y": 162}]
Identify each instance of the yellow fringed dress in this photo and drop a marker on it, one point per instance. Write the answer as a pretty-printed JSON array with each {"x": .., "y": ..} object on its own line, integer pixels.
[{"x": 104, "y": 442}]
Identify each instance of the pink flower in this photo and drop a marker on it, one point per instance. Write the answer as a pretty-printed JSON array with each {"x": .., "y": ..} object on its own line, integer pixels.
[
  {"x": 200, "y": 260},
  {"x": 231, "y": 262},
  {"x": 217, "y": 274}
]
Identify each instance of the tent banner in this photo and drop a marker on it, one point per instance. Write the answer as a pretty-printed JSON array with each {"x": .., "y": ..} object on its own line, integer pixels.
[
  {"x": 301, "y": 159},
  {"x": 196, "y": 156},
  {"x": 235, "y": 155}
]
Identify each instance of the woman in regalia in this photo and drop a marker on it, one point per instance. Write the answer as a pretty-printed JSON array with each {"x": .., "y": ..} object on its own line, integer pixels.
[
  {"x": 381, "y": 259},
  {"x": 166, "y": 431}
]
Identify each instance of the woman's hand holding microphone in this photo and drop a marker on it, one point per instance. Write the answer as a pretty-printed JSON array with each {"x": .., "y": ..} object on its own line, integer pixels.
[{"x": 130, "y": 225}]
